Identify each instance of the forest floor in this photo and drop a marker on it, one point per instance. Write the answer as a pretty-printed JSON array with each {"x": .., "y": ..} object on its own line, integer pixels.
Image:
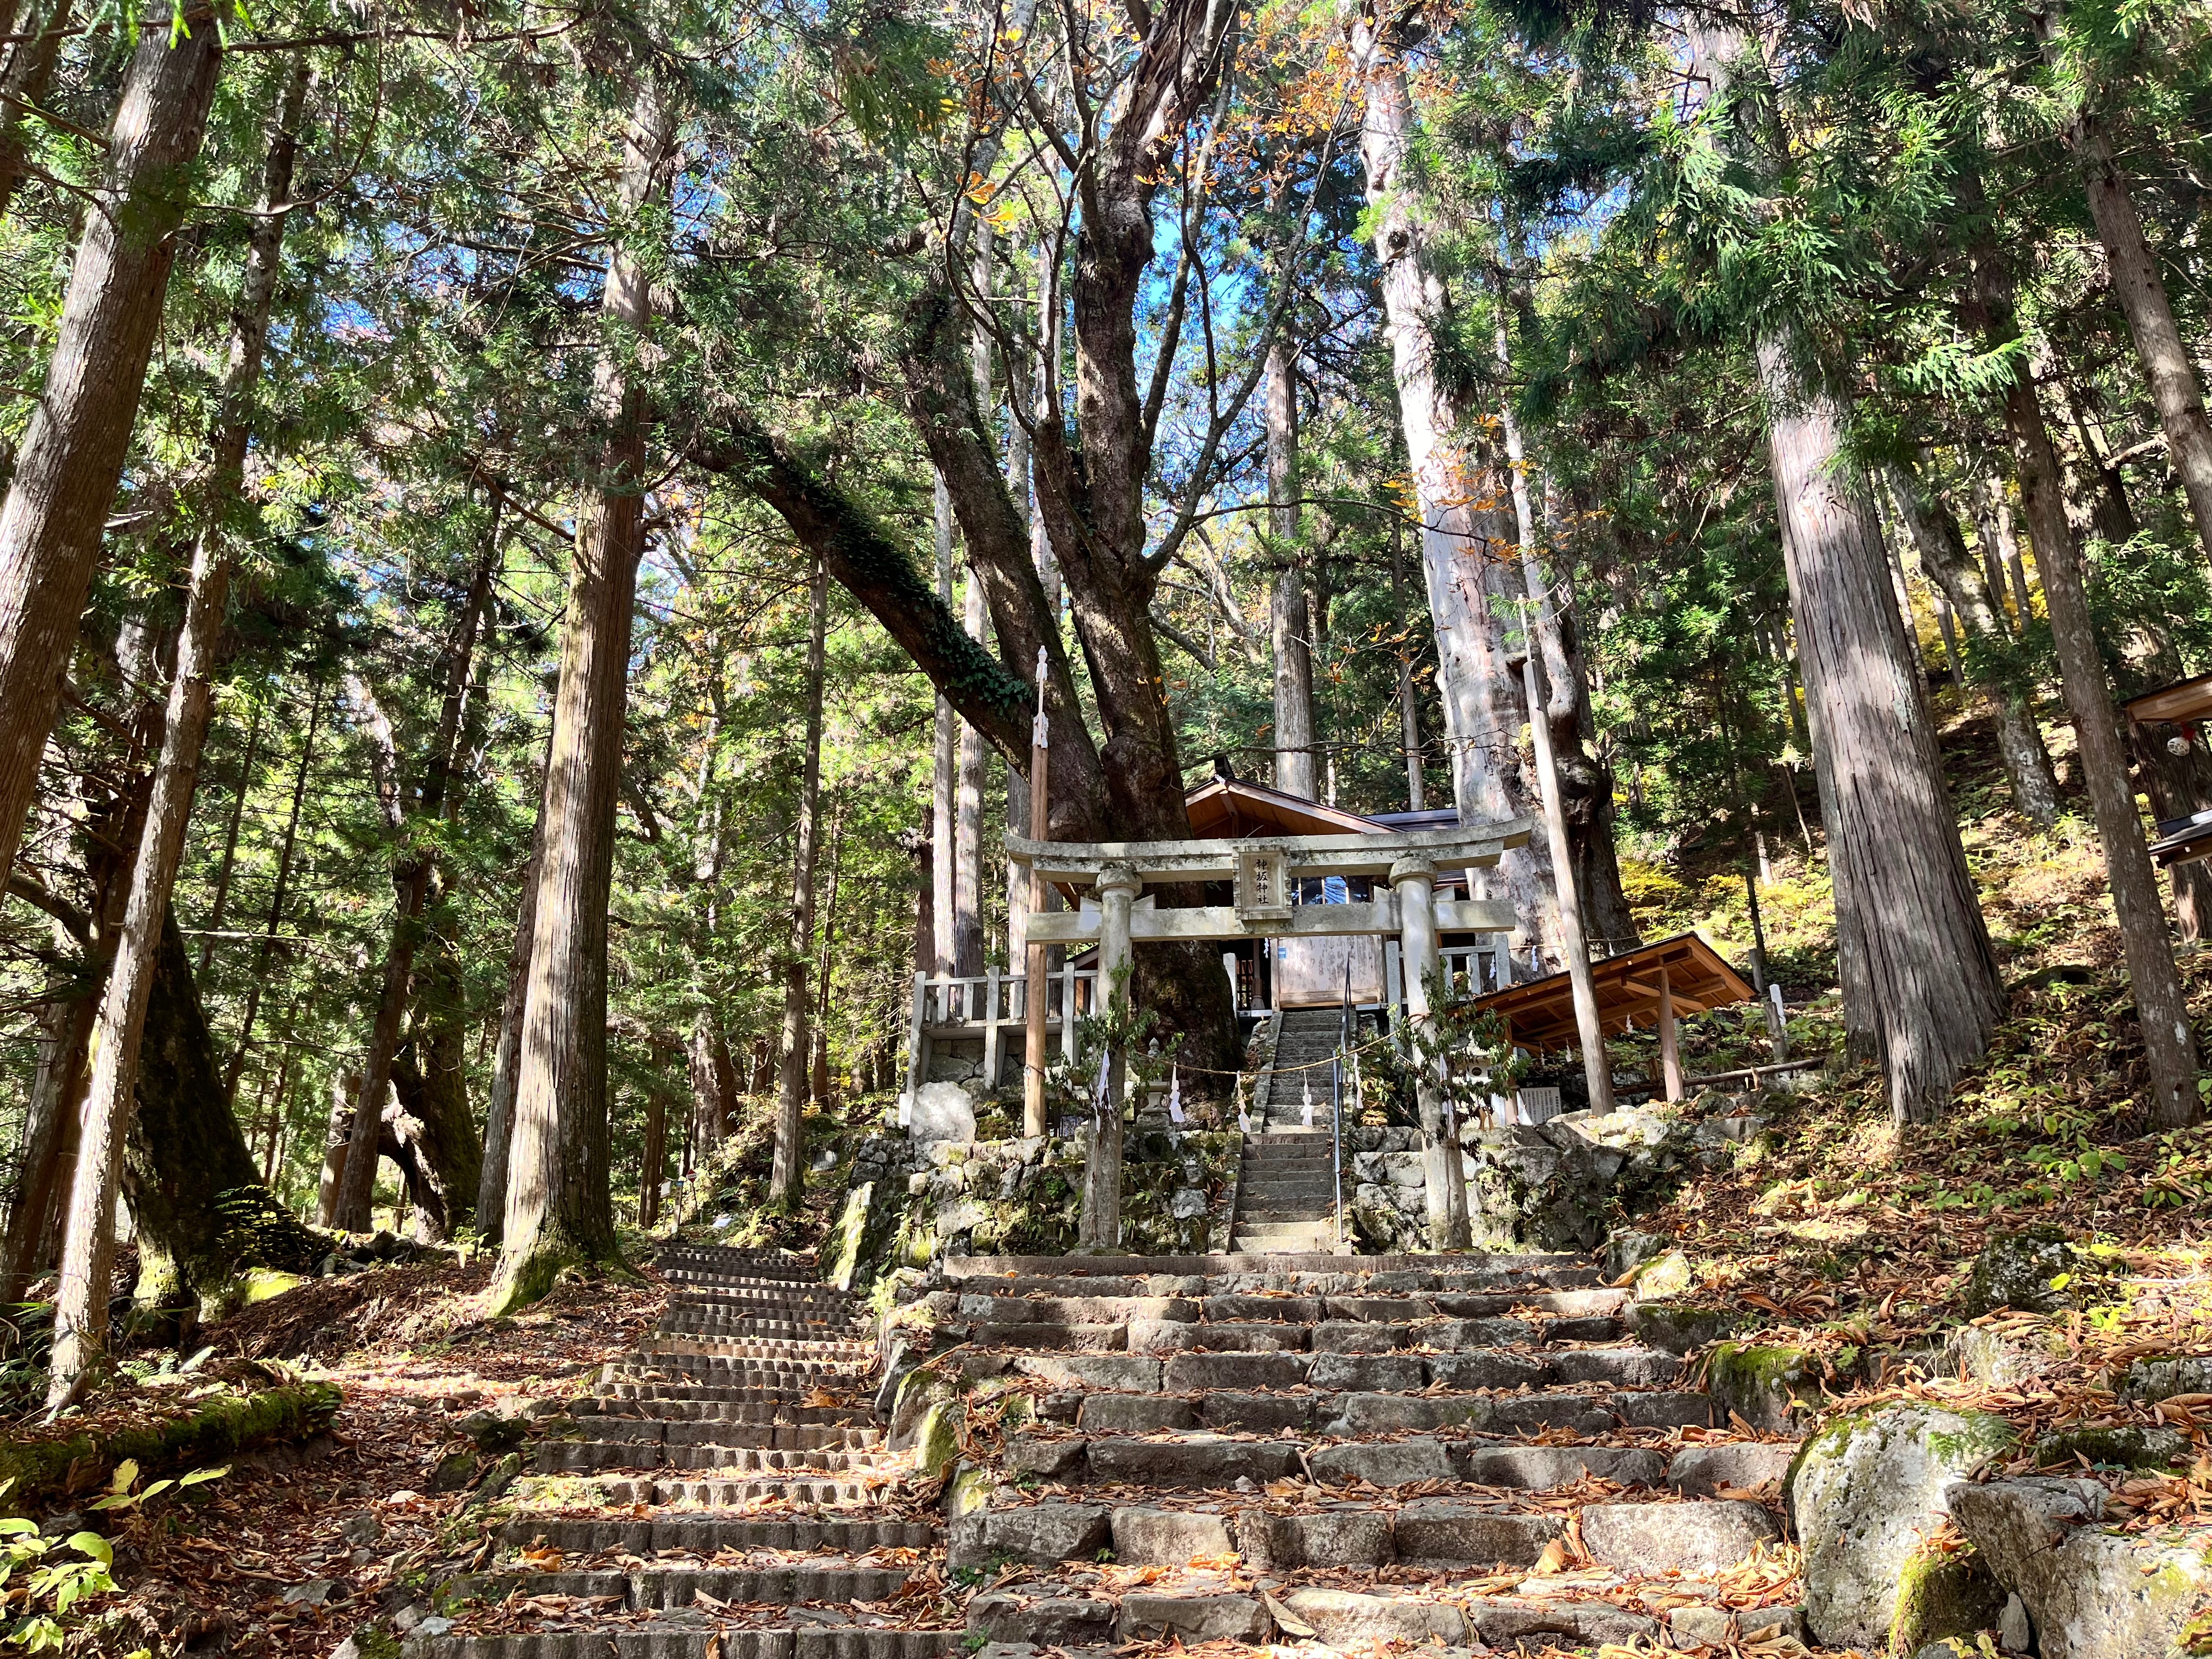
[{"x": 1842, "y": 1233}]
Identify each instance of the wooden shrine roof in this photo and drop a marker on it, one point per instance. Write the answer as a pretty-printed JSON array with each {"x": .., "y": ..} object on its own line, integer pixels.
[
  {"x": 2185, "y": 699},
  {"x": 1229, "y": 808},
  {"x": 1540, "y": 1012}
]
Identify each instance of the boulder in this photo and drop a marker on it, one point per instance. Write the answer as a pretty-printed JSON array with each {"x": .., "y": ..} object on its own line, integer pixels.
[
  {"x": 1663, "y": 1276},
  {"x": 1866, "y": 1492},
  {"x": 2165, "y": 1377},
  {"x": 1718, "y": 1627},
  {"x": 2126, "y": 1447},
  {"x": 1767, "y": 1386},
  {"x": 1943, "y": 1593},
  {"x": 2090, "y": 1594},
  {"x": 1333, "y": 1538},
  {"x": 2015, "y": 1270},
  {"x": 1997, "y": 1358},
  {"x": 942, "y": 1111},
  {"x": 1437, "y": 1529},
  {"x": 1626, "y": 1248},
  {"x": 1069, "y": 1621}
]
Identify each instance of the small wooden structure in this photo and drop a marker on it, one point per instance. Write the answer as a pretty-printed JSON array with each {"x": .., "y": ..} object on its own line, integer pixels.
[
  {"x": 1649, "y": 986},
  {"x": 2186, "y": 704}
]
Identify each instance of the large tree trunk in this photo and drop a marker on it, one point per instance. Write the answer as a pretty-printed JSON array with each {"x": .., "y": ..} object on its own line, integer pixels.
[
  {"x": 787, "y": 1174},
  {"x": 943, "y": 783},
  {"x": 1893, "y": 841},
  {"x": 558, "y": 1210},
  {"x": 2169, "y": 1045},
  {"x": 507, "y": 1063},
  {"x": 1935, "y": 532},
  {"x": 50, "y": 1123},
  {"x": 203, "y": 1211},
  {"x": 1289, "y": 622},
  {"x": 30, "y": 70},
  {"x": 1409, "y": 715},
  {"x": 654, "y": 1162},
  {"x": 968, "y": 822},
  {"x": 71, "y": 455},
  {"x": 428, "y": 1132},
  {"x": 1920, "y": 978},
  {"x": 1466, "y": 549},
  {"x": 80, "y": 1307},
  {"x": 712, "y": 1088}
]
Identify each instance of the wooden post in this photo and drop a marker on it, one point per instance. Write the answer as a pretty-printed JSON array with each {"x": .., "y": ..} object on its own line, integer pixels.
[
  {"x": 917, "y": 1052},
  {"x": 1100, "y": 1226},
  {"x": 1067, "y": 1010},
  {"x": 993, "y": 1013},
  {"x": 1037, "y": 991},
  {"x": 1670, "y": 1055},
  {"x": 1413, "y": 881}
]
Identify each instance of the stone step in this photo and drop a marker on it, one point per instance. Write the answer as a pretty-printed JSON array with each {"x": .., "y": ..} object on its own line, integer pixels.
[
  {"x": 1559, "y": 1271},
  {"x": 703, "y": 1358},
  {"x": 825, "y": 1492},
  {"x": 721, "y": 1258},
  {"x": 690, "y": 1641},
  {"x": 760, "y": 1327},
  {"x": 1299, "y": 1310},
  {"x": 1652, "y": 1536},
  {"x": 802, "y": 1302},
  {"x": 1252, "y": 1220},
  {"x": 748, "y": 1405},
  {"x": 706, "y": 1535},
  {"x": 695, "y": 1423},
  {"x": 1202, "y": 1460},
  {"x": 1329, "y": 1276},
  {"x": 1286, "y": 1236},
  {"x": 658, "y": 1589},
  {"x": 1342, "y": 1620},
  {"x": 582, "y": 1457},
  {"x": 810, "y": 1354},
  {"x": 1365, "y": 1413}
]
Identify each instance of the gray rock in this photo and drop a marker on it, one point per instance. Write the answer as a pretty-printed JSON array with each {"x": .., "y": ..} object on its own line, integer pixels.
[
  {"x": 2163, "y": 1378},
  {"x": 1721, "y": 1627},
  {"x": 2015, "y": 1633},
  {"x": 1664, "y": 1409},
  {"x": 1356, "y": 1336},
  {"x": 1742, "y": 1466},
  {"x": 1485, "y": 1369},
  {"x": 1333, "y": 1538},
  {"x": 1050, "y": 1459},
  {"x": 1386, "y": 1463},
  {"x": 1258, "y": 1414},
  {"x": 1193, "y": 1618},
  {"x": 1136, "y": 1413},
  {"x": 1053, "y": 1621},
  {"x": 1386, "y": 1413},
  {"x": 1707, "y": 1535},
  {"x": 1122, "y": 1373},
  {"x": 1539, "y": 1468},
  {"x": 1996, "y": 1360},
  {"x": 1769, "y": 1387},
  {"x": 2091, "y": 1594},
  {"x": 1168, "y": 1538},
  {"x": 1040, "y": 1533},
  {"x": 1194, "y": 1461},
  {"x": 1188, "y": 1373},
  {"x": 1539, "y": 1627},
  {"x": 942, "y": 1112},
  {"x": 1635, "y": 1368},
  {"x": 1435, "y": 1529},
  {"x": 1369, "y": 1373},
  {"x": 362, "y": 1529},
  {"x": 454, "y": 1471},
  {"x": 2015, "y": 1270},
  {"x": 1626, "y": 1248},
  {"x": 312, "y": 1594},
  {"x": 1342, "y": 1618},
  {"x": 1678, "y": 1329},
  {"x": 1867, "y": 1488},
  {"x": 2127, "y": 1447}
]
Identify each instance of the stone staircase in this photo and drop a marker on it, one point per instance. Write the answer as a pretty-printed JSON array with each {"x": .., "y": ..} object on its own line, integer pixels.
[
  {"x": 1286, "y": 1178},
  {"x": 1404, "y": 1450},
  {"x": 721, "y": 1493}
]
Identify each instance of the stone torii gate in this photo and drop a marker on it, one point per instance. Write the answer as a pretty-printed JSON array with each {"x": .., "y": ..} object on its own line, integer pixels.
[{"x": 1264, "y": 870}]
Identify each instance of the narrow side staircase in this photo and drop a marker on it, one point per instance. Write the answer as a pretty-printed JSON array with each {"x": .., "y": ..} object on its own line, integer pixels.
[
  {"x": 721, "y": 1493},
  {"x": 1286, "y": 1178}
]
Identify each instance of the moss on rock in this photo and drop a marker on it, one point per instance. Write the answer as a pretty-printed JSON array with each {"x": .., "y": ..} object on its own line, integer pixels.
[{"x": 1943, "y": 1593}]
